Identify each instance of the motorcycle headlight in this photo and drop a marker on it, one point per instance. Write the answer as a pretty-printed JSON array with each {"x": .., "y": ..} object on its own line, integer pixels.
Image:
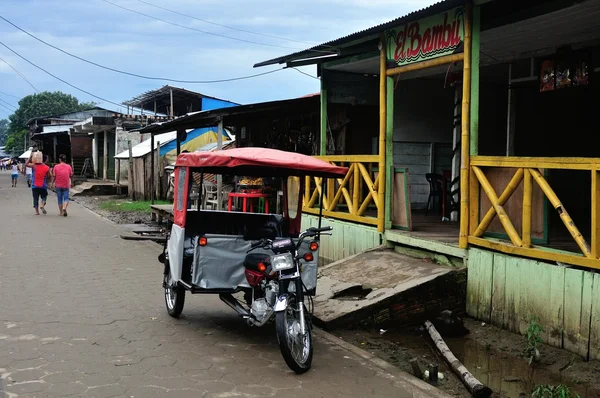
[{"x": 282, "y": 262}]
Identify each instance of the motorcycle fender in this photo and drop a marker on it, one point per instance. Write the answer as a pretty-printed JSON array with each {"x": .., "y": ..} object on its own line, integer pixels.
[{"x": 281, "y": 303}]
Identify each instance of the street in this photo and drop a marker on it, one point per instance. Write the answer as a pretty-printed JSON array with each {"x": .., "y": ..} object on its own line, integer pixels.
[{"x": 82, "y": 314}]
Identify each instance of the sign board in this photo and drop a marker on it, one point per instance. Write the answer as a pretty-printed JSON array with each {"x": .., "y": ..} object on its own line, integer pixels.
[{"x": 428, "y": 38}]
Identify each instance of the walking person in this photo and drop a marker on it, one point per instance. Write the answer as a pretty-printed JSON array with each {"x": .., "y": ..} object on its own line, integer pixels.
[
  {"x": 39, "y": 188},
  {"x": 15, "y": 174},
  {"x": 62, "y": 180},
  {"x": 29, "y": 175}
]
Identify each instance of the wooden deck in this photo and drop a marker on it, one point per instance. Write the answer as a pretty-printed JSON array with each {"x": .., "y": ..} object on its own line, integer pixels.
[{"x": 161, "y": 212}]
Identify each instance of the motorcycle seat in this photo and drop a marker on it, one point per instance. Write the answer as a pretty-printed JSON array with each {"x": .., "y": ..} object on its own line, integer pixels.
[{"x": 253, "y": 259}]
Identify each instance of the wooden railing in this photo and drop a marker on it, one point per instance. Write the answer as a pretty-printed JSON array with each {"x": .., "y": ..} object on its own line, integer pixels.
[
  {"x": 528, "y": 172},
  {"x": 352, "y": 198}
]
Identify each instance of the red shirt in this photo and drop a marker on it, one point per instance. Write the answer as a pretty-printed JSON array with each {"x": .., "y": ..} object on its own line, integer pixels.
[
  {"x": 40, "y": 171},
  {"x": 62, "y": 174}
]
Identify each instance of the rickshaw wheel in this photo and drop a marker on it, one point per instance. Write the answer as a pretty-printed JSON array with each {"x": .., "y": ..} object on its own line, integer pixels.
[
  {"x": 174, "y": 297},
  {"x": 297, "y": 350}
]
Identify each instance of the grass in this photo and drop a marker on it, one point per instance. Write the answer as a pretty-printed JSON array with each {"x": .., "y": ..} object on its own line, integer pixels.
[{"x": 141, "y": 206}]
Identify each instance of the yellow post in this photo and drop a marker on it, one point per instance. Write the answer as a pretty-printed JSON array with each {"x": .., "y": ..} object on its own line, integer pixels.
[
  {"x": 355, "y": 189},
  {"x": 464, "y": 142},
  {"x": 527, "y": 199},
  {"x": 382, "y": 131},
  {"x": 562, "y": 212},
  {"x": 508, "y": 191},
  {"x": 502, "y": 216},
  {"x": 474, "y": 200},
  {"x": 595, "y": 212}
]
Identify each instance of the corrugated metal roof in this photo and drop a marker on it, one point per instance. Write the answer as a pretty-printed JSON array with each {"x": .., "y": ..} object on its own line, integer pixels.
[{"x": 317, "y": 51}]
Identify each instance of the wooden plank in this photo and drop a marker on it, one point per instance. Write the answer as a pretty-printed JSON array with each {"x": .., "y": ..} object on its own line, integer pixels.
[
  {"x": 594, "y": 352},
  {"x": 536, "y": 253},
  {"x": 485, "y": 277},
  {"x": 555, "y": 305},
  {"x": 566, "y": 163},
  {"x": 473, "y": 282},
  {"x": 499, "y": 291},
  {"x": 512, "y": 298},
  {"x": 427, "y": 244},
  {"x": 350, "y": 158},
  {"x": 400, "y": 201},
  {"x": 577, "y": 309},
  {"x": 595, "y": 238}
]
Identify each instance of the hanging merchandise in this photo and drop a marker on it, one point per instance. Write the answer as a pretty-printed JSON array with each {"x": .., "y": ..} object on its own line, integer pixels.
[{"x": 547, "y": 75}]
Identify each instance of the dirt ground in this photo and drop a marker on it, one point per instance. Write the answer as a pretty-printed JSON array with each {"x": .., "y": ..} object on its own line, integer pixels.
[
  {"x": 119, "y": 217},
  {"x": 492, "y": 355}
]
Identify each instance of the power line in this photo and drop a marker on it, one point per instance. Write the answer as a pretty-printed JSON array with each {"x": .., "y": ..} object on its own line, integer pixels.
[
  {"x": 10, "y": 112},
  {"x": 197, "y": 30},
  {"x": 58, "y": 78},
  {"x": 224, "y": 26},
  {"x": 130, "y": 73},
  {"x": 304, "y": 73},
  {"x": 9, "y": 95},
  {"x": 20, "y": 74},
  {"x": 7, "y": 103}
]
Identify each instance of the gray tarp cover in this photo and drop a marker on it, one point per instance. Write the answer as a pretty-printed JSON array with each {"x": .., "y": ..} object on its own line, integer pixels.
[{"x": 220, "y": 264}]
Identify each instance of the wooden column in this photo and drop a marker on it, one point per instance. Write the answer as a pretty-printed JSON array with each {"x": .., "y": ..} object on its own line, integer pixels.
[
  {"x": 323, "y": 137},
  {"x": 465, "y": 139},
  {"x": 156, "y": 176},
  {"x": 118, "y": 172},
  {"x": 219, "y": 176},
  {"x": 389, "y": 153},
  {"x": 595, "y": 244},
  {"x": 171, "y": 109},
  {"x": 104, "y": 156},
  {"x": 130, "y": 184},
  {"x": 95, "y": 154},
  {"x": 152, "y": 168},
  {"x": 474, "y": 115},
  {"x": 54, "y": 158},
  {"x": 382, "y": 134}
]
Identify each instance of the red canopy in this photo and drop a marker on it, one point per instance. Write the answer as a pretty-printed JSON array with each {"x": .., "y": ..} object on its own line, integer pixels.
[{"x": 259, "y": 162}]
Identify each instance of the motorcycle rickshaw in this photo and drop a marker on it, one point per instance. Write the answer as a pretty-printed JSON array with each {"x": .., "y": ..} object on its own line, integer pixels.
[{"x": 265, "y": 258}]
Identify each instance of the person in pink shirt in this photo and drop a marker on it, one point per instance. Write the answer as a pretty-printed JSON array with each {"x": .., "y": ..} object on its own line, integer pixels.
[{"x": 62, "y": 181}]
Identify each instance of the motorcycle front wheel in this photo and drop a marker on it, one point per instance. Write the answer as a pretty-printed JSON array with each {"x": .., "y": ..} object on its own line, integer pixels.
[{"x": 297, "y": 349}]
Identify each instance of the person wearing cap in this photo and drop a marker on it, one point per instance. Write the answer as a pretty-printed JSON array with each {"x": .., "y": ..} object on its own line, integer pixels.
[{"x": 62, "y": 181}]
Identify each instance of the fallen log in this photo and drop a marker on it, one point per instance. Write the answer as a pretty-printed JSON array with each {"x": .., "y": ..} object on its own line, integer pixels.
[{"x": 476, "y": 388}]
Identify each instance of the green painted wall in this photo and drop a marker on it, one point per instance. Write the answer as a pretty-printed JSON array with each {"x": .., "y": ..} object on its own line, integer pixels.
[
  {"x": 506, "y": 291},
  {"x": 346, "y": 240}
]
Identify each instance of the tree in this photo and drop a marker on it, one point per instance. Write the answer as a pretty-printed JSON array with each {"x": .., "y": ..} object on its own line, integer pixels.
[
  {"x": 3, "y": 131},
  {"x": 37, "y": 105}
]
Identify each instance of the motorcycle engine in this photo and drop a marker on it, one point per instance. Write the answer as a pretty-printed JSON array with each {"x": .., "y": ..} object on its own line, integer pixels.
[{"x": 262, "y": 308}]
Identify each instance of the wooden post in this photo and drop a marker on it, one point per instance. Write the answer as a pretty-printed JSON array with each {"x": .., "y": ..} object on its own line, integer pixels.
[
  {"x": 171, "y": 110},
  {"x": 152, "y": 168},
  {"x": 104, "y": 156},
  {"x": 595, "y": 213},
  {"x": 510, "y": 117},
  {"x": 178, "y": 142},
  {"x": 130, "y": 184},
  {"x": 527, "y": 198},
  {"x": 382, "y": 134},
  {"x": 95, "y": 153},
  {"x": 219, "y": 176},
  {"x": 156, "y": 174},
  {"x": 54, "y": 158},
  {"x": 474, "y": 113},
  {"x": 465, "y": 139},
  {"x": 118, "y": 176},
  {"x": 324, "y": 119},
  {"x": 389, "y": 152}
]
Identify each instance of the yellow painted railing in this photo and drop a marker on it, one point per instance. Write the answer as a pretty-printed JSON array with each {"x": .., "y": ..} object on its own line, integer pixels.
[
  {"x": 352, "y": 198},
  {"x": 528, "y": 172}
]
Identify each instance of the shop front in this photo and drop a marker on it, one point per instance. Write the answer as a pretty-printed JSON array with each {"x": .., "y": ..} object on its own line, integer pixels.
[{"x": 486, "y": 110}]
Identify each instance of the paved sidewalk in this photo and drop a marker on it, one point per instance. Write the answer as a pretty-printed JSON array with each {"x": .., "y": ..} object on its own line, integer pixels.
[{"x": 82, "y": 314}]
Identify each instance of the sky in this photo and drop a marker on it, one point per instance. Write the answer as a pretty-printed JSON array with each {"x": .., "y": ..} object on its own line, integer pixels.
[{"x": 120, "y": 39}]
